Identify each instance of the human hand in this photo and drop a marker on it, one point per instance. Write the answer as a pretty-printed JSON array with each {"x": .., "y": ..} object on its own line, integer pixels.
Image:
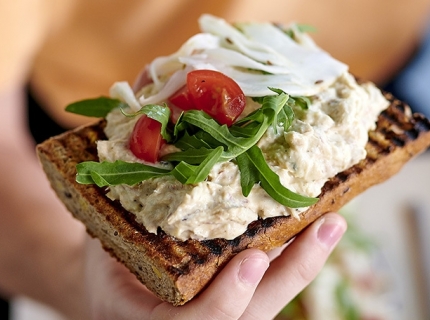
[{"x": 253, "y": 285}]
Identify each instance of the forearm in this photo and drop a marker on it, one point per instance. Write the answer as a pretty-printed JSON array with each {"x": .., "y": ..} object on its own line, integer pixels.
[{"x": 41, "y": 245}]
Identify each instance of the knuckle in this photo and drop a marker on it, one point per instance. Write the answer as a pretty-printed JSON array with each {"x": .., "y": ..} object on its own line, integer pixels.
[
  {"x": 218, "y": 312},
  {"x": 307, "y": 270}
]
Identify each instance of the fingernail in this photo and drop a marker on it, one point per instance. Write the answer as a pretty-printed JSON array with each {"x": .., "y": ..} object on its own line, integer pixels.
[
  {"x": 330, "y": 231},
  {"x": 252, "y": 269}
]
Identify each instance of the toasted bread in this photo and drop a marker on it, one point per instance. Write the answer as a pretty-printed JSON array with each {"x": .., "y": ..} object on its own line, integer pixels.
[{"x": 176, "y": 270}]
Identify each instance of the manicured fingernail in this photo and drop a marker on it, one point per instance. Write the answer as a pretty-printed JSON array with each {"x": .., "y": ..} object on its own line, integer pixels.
[
  {"x": 330, "y": 231},
  {"x": 252, "y": 270}
]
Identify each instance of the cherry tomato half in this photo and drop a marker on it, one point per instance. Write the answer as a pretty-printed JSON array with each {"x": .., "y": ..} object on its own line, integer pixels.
[
  {"x": 146, "y": 140},
  {"x": 213, "y": 92}
]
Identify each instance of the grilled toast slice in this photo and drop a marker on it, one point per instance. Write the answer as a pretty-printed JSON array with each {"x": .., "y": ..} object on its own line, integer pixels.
[{"x": 176, "y": 270}]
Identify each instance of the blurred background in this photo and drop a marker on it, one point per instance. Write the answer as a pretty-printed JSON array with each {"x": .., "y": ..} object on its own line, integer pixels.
[{"x": 63, "y": 51}]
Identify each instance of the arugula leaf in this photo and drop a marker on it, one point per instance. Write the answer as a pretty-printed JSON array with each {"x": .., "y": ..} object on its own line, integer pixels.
[
  {"x": 247, "y": 131},
  {"x": 120, "y": 172},
  {"x": 113, "y": 173},
  {"x": 191, "y": 142},
  {"x": 97, "y": 107},
  {"x": 286, "y": 117},
  {"x": 183, "y": 171},
  {"x": 160, "y": 113},
  {"x": 190, "y": 156},
  {"x": 188, "y": 174},
  {"x": 301, "y": 102},
  {"x": 206, "y": 123},
  {"x": 249, "y": 174},
  {"x": 270, "y": 107},
  {"x": 254, "y": 169}
]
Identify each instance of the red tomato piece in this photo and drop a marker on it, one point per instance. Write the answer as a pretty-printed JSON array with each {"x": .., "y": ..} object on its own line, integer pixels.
[
  {"x": 213, "y": 92},
  {"x": 146, "y": 140},
  {"x": 182, "y": 99}
]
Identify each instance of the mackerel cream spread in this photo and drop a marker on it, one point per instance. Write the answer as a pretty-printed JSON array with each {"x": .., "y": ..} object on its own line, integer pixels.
[{"x": 324, "y": 139}]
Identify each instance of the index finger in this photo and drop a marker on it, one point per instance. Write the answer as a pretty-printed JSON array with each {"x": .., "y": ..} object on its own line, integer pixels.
[{"x": 296, "y": 267}]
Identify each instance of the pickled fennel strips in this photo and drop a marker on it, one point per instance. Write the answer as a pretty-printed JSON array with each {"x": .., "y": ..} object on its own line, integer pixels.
[{"x": 257, "y": 56}]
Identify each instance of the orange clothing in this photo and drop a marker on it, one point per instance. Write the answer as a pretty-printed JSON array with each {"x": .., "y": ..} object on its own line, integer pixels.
[{"x": 74, "y": 49}]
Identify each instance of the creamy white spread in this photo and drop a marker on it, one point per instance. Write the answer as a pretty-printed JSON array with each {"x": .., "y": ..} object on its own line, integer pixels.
[{"x": 326, "y": 139}]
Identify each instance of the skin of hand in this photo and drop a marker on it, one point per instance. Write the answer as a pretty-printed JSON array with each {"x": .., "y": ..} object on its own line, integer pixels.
[
  {"x": 253, "y": 285},
  {"x": 41, "y": 245}
]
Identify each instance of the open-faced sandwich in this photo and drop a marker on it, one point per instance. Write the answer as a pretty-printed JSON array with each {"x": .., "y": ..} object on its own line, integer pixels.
[{"x": 241, "y": 138}]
